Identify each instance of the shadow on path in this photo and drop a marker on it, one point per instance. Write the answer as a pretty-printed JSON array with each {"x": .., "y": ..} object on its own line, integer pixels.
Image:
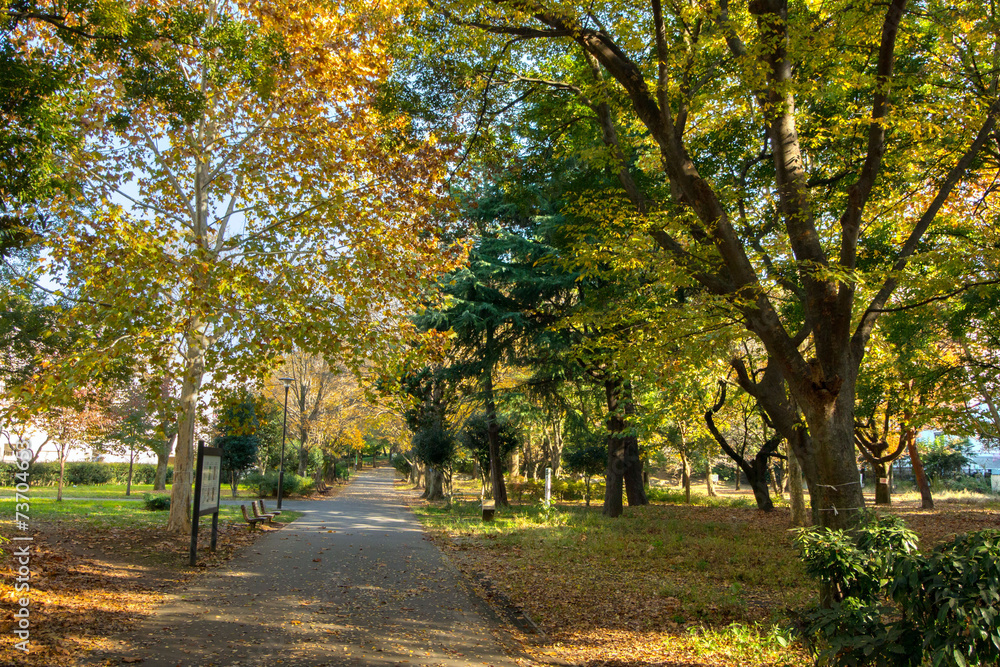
[{"x": 352, "y": 582}]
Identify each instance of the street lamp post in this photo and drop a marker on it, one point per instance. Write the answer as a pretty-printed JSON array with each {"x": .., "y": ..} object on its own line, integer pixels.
[{"x": 284, "y": 427}]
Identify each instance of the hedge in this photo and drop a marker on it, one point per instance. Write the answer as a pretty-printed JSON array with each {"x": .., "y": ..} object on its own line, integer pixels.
[{"x": 83, "y": 473}]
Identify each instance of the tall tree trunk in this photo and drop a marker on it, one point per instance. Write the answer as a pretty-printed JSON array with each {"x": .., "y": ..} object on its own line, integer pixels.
[
  {"x": 686, "y": 476},
  {"x": 435, "y": 484},
  {"x": 635, "y": 487},
  {"x": 796, "y": 497},
  {"x": 830, "y": 465},
  {"x": 757, "y": 477},
  {"x": 179, "y": 521},
  {"x": 62, "y": 470},
  {"x": 515, "y": 464},
  {"x": 882, "y": 493},
  {"x": 614, "y": 477},
  {"x": 624, "y": 470},
  {"x": 709, "y": 484},
  {"x": 555, "y": 446},
  {"x": 757, "y": 468},
  {"x": 926, "y": 500},
  {"x": 131, "y": 465},
  {"x": 162, "y": 460},
  {"x": 496, "y": 463},
  {"x": 303, "y": 452}
]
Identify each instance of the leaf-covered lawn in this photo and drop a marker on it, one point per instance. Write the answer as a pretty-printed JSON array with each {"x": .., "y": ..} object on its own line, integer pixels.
[
  {"x": 99, "y": 567},
  {"x": 662, "y": 585}
]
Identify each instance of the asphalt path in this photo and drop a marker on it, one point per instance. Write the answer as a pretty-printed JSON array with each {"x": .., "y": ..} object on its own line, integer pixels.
[{"x": 353, "y": 581}]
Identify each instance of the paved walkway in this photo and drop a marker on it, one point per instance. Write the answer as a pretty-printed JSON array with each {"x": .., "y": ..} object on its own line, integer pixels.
[{"x": 352, "y": 582}]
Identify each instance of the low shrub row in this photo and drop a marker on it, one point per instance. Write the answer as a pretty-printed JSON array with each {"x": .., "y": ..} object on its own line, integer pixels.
[
  {"x": 533, "y": 490},
  {"x": 83, "y": 473},
  {"x": 267, "y": 484}
]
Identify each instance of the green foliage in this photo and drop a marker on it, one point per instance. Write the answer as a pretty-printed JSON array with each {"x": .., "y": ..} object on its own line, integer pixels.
[
  {"x": 239, "y": 452},
  {"x": 969, "y": 483},
  {"x": 40, "y": 86},
  {"x": 243, "y": 413},
  {"x": 47, "y": 474},
  {"x": 155, "y": 503},
  {"x": 88, "y": 473},
  {"x": 892, "y": 606},
  {"x": 589, "y": 460},
  {"x": 342, "y": 470},
  {"x": 476, "y": 439},
  {"x": 267, "y": 485},
  {"x": 678, "y": 497},
  {"x": 857, "y": 563},
  {"x": 952, "y": 596},
  {"x": 945, "y": 457},
  {"x": 853, "y": 633},
  {"x": 533, "y": 490},
  {"x": 434, "y": 445},
  {"x": 401, "y": 465}
]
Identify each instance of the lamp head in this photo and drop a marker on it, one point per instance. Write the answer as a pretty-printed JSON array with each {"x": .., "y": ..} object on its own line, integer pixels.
[{"x": 287, "y": 381}]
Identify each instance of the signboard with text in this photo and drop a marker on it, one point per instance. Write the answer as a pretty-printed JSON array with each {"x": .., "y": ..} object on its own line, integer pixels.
[
  {"x": 207, "y": 483},
  {"x": 211, "y": 480}
]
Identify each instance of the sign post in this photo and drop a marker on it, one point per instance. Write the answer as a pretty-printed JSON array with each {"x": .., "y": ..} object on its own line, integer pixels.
[{"x": 207, "y": 483}]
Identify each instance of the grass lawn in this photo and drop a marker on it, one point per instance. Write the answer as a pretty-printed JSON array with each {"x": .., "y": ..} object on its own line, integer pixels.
[
  {"x": 709, "y": 583},
  {"x": 104, "y": 514},
  {"x": 110, "y": 491}
]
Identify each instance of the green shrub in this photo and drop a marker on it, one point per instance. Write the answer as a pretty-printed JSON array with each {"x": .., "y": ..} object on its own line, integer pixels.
[
  {"x": 889, "y": 605},
  {"x": 43, "y": 474},
  {"x": 85, "y": 472},
  {"x": 953, "y": 597},
  {"x": 342, "y": 470},
  {"x": 530, "y": 490},
  {"x": 401, "y": 465},
  {"x": 267, "y": 485},
  {"x": 963, "y": 483},
  {"x": 142, "y": 473},
  {"x": 155, "y": 503},
  {"x": 47, "y": 474},
  {"x": 264, "y": 485}
]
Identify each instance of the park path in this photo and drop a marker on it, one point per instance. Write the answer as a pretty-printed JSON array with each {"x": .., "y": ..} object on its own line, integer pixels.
[{"x": 352, "y": 582}]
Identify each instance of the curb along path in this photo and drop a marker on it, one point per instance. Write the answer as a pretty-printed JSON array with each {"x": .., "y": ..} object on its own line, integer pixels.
[{"x": 352, "y": 582}]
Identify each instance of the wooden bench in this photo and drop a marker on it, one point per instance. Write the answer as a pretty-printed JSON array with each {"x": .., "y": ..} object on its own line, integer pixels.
[
  {"x": 489, "y": 507},
  {"x": 263, "y": 509},
  {"x": 252, "y": 520},
  {"x": 261, "y": 514}
]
